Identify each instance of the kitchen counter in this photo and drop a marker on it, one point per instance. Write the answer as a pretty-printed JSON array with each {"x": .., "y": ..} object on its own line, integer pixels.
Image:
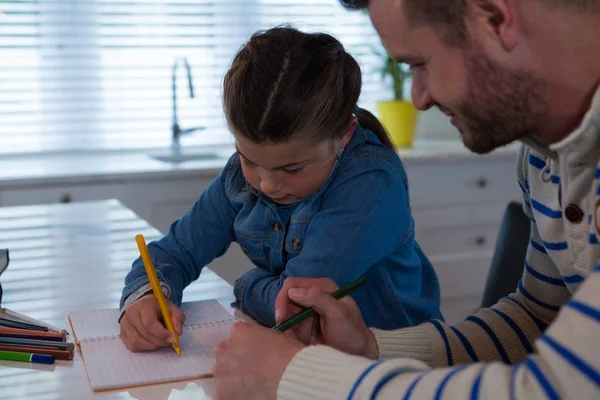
[
  {"x": 73, "y": 168},
  {"x": 97, "y": 167}
]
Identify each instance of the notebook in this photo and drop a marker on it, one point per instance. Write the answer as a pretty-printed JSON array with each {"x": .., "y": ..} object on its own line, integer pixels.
[{"x": 110, "y": 365}]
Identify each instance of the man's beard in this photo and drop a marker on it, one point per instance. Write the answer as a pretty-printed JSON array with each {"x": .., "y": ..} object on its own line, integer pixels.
[{"x": 500, "y": 106}]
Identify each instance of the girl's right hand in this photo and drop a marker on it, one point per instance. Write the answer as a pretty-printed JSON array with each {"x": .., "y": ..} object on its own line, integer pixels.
[{"x": 141, "y": 326}]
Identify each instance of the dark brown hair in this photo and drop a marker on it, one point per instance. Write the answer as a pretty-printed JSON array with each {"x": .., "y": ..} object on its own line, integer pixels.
[
  {"x": 284, "y": 82},
  {"x": 447, "y": 17}
]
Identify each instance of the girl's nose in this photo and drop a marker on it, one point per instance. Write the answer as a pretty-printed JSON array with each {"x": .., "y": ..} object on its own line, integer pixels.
[{"x": 269, "y": 185}]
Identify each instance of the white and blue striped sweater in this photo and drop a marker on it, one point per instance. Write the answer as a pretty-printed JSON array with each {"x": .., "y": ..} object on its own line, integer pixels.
[{"x": 536, "y": 343}]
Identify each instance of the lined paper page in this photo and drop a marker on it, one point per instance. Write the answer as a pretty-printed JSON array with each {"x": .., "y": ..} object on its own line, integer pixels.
[
  {"x": 92, "y": 324},
  {"x": 200, "y": 312},
  {"x": 110, "y": 365}
]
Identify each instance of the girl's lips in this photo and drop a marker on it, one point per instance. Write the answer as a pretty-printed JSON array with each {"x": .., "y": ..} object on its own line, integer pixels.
[{"x": 279, "y": 199}]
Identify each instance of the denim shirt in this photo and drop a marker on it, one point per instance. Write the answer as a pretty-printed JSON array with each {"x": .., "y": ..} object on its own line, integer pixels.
[{"x": 358, "y": 223}]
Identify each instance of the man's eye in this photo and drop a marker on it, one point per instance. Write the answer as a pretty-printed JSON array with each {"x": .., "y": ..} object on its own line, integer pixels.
[{"x": 416, "y": 66}]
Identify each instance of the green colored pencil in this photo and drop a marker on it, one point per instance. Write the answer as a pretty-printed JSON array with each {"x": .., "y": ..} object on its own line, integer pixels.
[
  {"x": 308, "y": 312},
  {"x": 34, "y": 342},
  {"x": 26, "y": 357}
]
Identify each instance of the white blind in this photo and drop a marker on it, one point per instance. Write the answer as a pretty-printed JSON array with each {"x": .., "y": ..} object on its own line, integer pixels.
[{"x": 96, "y": 74}]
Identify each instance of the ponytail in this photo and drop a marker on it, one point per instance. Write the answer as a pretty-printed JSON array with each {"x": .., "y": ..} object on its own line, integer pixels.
[{"x": 370, "y": 122}]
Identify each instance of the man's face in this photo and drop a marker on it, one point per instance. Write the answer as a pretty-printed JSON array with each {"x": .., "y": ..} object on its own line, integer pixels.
[{"x": 489, "y": 102}]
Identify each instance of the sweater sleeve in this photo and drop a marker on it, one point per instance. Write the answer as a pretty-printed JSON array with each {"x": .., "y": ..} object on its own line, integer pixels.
[
  {"x": 504, "y": 332},
  {"x": 565, "y": 364},
  {"x": 202, "y": 234}
]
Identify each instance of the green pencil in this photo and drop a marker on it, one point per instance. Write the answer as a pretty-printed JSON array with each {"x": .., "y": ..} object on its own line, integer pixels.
[
  {"x": 26, "y": 357},
  {"x": 301, "y": 316},
  {"x": 33, "y": 342}
]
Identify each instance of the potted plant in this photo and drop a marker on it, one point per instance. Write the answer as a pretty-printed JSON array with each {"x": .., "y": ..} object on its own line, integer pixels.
[{"x": 398, "y": 115}]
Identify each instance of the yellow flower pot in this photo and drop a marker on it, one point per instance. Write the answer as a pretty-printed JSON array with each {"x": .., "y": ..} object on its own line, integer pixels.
[{"x": 400, "y": 119}]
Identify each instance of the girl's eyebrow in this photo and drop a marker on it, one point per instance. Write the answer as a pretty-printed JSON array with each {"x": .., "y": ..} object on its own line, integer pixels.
[{"x": 294, "y": 164}]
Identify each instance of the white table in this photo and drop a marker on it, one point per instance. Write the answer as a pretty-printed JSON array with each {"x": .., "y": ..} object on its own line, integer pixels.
[{"x": 75, "y": 256}]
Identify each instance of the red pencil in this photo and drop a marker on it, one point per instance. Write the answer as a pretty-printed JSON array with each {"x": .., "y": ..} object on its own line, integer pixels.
[
  {"x": 27, "y": 334},
  {"x": 58, "y": 354}
]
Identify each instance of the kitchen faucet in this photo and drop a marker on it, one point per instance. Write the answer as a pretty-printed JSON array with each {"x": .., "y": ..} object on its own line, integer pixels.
[{"x": 176, "y": 130}]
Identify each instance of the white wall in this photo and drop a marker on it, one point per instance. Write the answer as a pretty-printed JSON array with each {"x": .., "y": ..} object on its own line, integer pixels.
[{"x": 433, "y": 124}]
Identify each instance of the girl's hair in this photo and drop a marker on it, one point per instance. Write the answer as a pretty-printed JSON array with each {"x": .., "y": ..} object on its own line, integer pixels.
[{"x": 285, "y": 82}]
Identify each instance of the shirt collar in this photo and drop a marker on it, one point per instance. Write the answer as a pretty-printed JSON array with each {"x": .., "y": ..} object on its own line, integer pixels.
[{"x": 582, "y": 144}]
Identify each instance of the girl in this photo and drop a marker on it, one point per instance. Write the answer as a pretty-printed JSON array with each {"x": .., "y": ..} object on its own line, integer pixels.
[{"x": 315, "y": 189}]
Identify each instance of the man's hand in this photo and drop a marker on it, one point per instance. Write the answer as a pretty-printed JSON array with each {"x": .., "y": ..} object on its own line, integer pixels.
[
  {"x": 251, "y": 362},
  {"x": 339, "y": 323}
]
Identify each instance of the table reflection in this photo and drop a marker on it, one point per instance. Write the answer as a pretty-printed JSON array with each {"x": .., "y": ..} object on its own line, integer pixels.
[{"x": 76, "y": 256}]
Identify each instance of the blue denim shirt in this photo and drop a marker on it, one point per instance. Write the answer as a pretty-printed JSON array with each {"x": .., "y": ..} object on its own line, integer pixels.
[{"x": 358, "y": 223}]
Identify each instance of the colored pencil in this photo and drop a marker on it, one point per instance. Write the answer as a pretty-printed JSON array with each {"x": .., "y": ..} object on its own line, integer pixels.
[
  {"x": 158, "y": 293},
  {"x": 58, "y": 354},
  {"x": 24, "y": 318},
  {"x": 8, "y": 323},
  {"x": 33, "y": 342},
  {"x": 27, "y": 334},
  {"x": 26, "y": 357}
]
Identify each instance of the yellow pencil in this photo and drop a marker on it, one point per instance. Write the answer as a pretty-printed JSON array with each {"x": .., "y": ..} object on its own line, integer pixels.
[{"x": 156, "y": 289}]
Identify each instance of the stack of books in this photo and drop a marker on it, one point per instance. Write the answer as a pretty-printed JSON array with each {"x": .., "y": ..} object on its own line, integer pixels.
[{"x": 29, "y": 340}]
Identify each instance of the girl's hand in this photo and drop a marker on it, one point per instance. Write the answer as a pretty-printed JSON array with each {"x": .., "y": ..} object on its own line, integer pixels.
[{"x": 141, "y": 326}]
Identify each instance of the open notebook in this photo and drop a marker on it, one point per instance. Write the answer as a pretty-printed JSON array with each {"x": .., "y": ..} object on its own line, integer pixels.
[{"x": 110, "y": 365}]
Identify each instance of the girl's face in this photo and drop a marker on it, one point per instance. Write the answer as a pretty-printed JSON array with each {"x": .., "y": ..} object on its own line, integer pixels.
[{"x": 287, "y": 172}]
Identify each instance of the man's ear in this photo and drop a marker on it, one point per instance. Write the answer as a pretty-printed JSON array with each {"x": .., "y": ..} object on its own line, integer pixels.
[
  {"x": 493, "y": 22},
  {"x": 343, "y": 141}
]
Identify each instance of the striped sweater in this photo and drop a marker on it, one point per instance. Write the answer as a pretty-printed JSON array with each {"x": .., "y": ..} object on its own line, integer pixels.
[{"x": 539, "y": 342}]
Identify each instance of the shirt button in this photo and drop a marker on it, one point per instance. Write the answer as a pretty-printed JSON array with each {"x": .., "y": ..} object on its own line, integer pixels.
[
  {"x": 276, "y": 227},
  {"x": 574, "y": 214}
]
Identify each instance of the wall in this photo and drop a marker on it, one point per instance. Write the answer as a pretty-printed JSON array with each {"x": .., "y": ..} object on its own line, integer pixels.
[{"x": 433, "y": 124}]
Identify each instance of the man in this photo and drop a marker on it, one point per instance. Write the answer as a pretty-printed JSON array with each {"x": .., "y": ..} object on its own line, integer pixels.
[{"x": 503, "y": 70}]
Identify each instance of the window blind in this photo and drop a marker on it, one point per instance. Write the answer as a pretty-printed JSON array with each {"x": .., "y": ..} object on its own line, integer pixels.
[{"x": 95, "y": 75}]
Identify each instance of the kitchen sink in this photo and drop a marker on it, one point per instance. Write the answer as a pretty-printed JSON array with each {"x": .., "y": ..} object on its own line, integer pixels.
[{"x": 190, "y": 155}]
